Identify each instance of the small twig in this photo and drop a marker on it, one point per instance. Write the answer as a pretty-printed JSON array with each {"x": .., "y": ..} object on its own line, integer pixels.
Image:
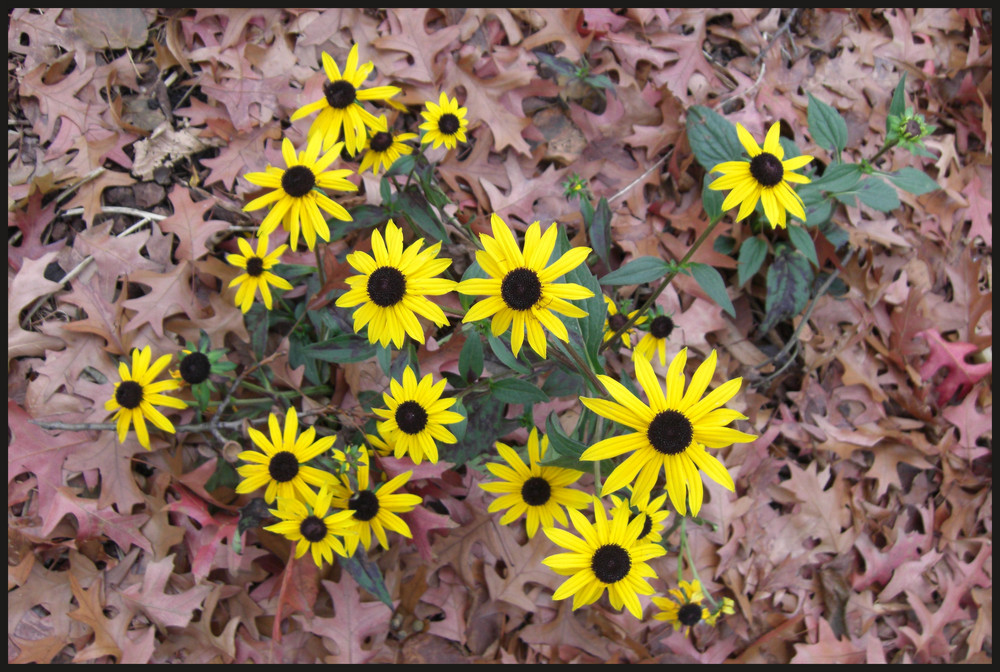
[
  {"x": 626, "y": 188},
  {"x": 68, "y": 191},
  {"x": 119, "y": 210},
  {"x": 783, "y": 29}
]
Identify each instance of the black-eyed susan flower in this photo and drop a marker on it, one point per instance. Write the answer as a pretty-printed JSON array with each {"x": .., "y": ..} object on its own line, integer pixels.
[
  {"x": 373, "y": 507},
  {"x": 416, "y": 417},
  {"x": 651, "y": 512},
  {"x": 297, "y": 197},
  {"x": 393, "y": 287},
  {"x": 765, "y": 178},
  {"x": 616, "y": 320},
  {"x": 446, "y": 122},
  {"x": 671, "y": 432},
  {"x": 383, "y": 148},
  {"x": 281, "y": 464},
  {"x": 686, "y": 607},
  {"x": 655, "y": 341},
  {"x": 340, "y": 107},
  {"x": 257, "y": 273},
  {"x": 521, "y": 288},
  {"x": 137, "y": 395},
  {"x": 539, "y": 491},
  {"x": 312, "y": 527},
  {"x": 608, "y": 555}
]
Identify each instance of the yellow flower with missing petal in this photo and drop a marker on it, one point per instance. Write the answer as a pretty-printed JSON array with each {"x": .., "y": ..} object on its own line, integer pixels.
[
  {"x": 445, "y": 122},
  {"x": 257, "y": 273},
  {"x": 765, "y": 178},
  {"x": 136, "y": 395}
]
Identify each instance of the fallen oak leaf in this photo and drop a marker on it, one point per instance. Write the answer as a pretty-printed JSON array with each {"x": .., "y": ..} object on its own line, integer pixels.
[
  {"x": 961, "y": 375},
  {"x": 175, "y": 609},
  {"x": 354, "y": 623},
  {"x": 170, "y": 293}
]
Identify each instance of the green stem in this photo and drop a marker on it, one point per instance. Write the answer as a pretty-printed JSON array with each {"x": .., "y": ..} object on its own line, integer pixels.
[
  {"x": 597, "y": 479},
  {"x": 659, "y": 290},
  {"x": 885, "y": 148},
  {"x": 686, "y": 550},
  {"x": 319, "y": 267},
  {"x": 584, "y": 369}
]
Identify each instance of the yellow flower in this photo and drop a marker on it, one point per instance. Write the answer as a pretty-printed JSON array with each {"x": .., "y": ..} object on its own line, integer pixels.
[
  {"x": 257, "y": 275},
  {"x": 383, "y": 148},
  {"x": 392, "y": 288},
  {"x": 341, "y": 109},
  {"x": 656, "y": 340},
  {"x": 765, "y": 177},
  {"x": 608, "y": 555},
  {"x": 539, "y": 491},
  {"x": 671, "y": 432},
  {"x": 136, "y": 395},
  {"x": 313, "y": 530},
  {"x": 416, "y": 417},
  {"x": 297, "y": 197},
  {"x": 445, "y": 123},
  {"x": 651, "y": 512},
  {"x": 615, "y": 321},
  {"x": 522, "y": 290},
  {"x": 281, "y": 465},
  {"x": 686, "y": 609},
  {"x": 373, "y": 509}
]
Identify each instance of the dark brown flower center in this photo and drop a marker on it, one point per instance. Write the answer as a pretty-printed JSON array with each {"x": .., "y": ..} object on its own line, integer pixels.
[
  {"x": 449, "y": 123},
  {"x": 129, "y": 394},
  {"x": 670, "y": 432},
  {"x": 283, "y": 467},
  {"x": 767, "y": 169},
  {"x": 521, "y": 289},
  {"x": 255, "y": 267},
  {"x": 689, "y": 614},
  {"x": 616, "y": 321},
  {"x": 381, "y": 141},
  {"x": 647, "y": 525},
  {"x": 298, "y": 181},
  {"x": 661, "y": 326},
  {"x": 611, "y": 563},
  {"x": 912, "y": 128},
  {"x": 386, "y": 286},
  {"x": 339, "y": 94},
  {"x": 411, "y": 417},
  {"x": 364, "y": 503},
  {"x": 313, "y": 528},
  {"x": 536, "y": 491},
  {"x": 195, "y": 368}
]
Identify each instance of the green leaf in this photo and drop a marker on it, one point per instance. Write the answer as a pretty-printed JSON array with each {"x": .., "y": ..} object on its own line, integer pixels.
[
  {"x": 473, "y": 271},
  {"x": 724, "y": 244},
  {"x": 259, "y": 317},
  {"x": 818, "y": 207},
  {"x": 712, "y": 200},
  {"x": 504, "y": 354},
  {"x": 637, "y": 271},
  {"x": 340, "y": 349},
  {"x": 385, "y": 191},
  {"x": 839, "y": 177},
  {"x": 367, "y": 575},
  {"x": 419, "y": 212},
  {"x": 562, "y": 444},
  {"x": 753, "y": 251},
  {"x": 202, "y": 393},
  {"x": 485, "y": 424},
  {"x": 470, "y": 360},
  {"x": 912, "y": 180},
  {"x": 803, "y": 242},
  {"x": 713, "y": 139},
  {"x": 564, "y": 383},
  {"x": 789, "y": 281},
  {"x": 711, "y": 281},
  {"x": 517, "y": 391},
  {"x": 590, "y": 327},
  {"x": 599, "y": 230},
  {"x": 364, "y": 217},
  {"x": 876, "y": 193},
  {"x": 383, "y": 355},
  {"x": 897, "y": 108},
  {"x": 827, "y": 127},
  {"x": 403, "y": 165}
]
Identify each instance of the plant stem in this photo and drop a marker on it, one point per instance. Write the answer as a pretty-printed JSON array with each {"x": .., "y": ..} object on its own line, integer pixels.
[
  {"x": 686, "y": 550},
  {"x": 319, "y": 267},
  {"x": 885, "y": 148},
  {"x": 659, "y": 290}
]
